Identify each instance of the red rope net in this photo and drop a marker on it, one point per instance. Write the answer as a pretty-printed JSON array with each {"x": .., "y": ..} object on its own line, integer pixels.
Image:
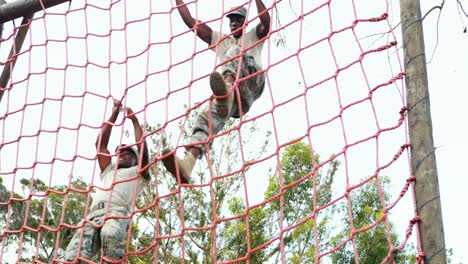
[{"x": 318, "y": 170}]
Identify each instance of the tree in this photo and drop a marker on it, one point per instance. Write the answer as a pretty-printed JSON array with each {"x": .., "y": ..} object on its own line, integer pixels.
[
  {"x": 10, "y": 212},
  {"x": 303, "y": 184},
  {"x": 235, "y": 237},
  {"x": 300, "y": 188},
  {"x": 372, "y": 245},
  {"x": 41, "y": 217}
]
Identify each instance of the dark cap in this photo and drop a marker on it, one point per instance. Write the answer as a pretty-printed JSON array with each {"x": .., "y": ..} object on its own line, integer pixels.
[
  {"x": 125, "y": 147},
  {"x": 241, "y": 11}
]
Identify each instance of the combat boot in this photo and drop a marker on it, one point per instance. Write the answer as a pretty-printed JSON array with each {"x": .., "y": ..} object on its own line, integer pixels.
[
  {"x": 221, "y": 90},
  {"x": 185, "y": 166}
]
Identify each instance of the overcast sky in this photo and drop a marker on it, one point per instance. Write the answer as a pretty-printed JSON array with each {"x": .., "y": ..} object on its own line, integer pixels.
[{"x": 447, "y": 86}]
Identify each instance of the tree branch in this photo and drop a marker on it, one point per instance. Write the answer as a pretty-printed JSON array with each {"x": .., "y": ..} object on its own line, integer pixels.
[{"x": 437, "y": 26}]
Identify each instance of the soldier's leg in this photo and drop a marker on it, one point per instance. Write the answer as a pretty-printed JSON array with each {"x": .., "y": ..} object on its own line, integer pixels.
[
  {"x": 86, "y": 245},
  {"x": 250, "y": 88},
  {"x": 209, "y": 122},
  {"x": 114, "y": 236}
]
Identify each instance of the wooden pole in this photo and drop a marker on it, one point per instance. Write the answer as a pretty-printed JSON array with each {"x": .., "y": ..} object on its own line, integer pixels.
[
  {"x": 15, "y": 49},
  {"x": 14, "y": 10},
  {"x": 420, "y": 129},
  {"x": 20, "y": 8},
  {"x": 2, "y": 2}
]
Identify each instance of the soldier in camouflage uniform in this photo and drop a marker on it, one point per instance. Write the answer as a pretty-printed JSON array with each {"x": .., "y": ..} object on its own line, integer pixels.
[
  {"x": 107, "y": 223},
  {"x": 232, "y": 99}
]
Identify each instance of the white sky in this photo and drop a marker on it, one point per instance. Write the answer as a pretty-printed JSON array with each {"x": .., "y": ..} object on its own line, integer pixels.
[
  {"x": 447, "y": 72},
  {"x": 153, "y": 91}
]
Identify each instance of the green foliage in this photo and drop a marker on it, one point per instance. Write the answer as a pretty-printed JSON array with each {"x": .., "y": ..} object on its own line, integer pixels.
[
  {"x": 372, "y": 245},
  {"x": 47, "y": 209},
  {"x": 236, "y": 242},
  {"x": 301, "y": 186}
]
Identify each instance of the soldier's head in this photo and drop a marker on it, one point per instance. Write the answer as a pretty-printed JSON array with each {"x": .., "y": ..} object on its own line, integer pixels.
[
  {"x": 127, "y": 156},
  {"x": 236, "y": 20}
]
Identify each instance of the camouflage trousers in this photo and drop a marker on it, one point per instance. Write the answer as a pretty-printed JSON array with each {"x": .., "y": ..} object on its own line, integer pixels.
[
  {"x": 245, "y": 94},
  {"x": 108, "y": 234}
]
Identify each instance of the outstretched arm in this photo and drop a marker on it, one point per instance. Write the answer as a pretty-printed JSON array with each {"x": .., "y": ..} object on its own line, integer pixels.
[
  {"x": 103, "y": 154},
  {"x": 263, "y": 28},
  {"x": 141, "y": 143},
  {"x": 200, "y": 28}
]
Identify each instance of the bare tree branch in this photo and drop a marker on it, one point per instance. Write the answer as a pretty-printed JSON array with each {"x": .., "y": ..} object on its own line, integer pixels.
[
  {"x": 461, "y": 7},
  {"x": 440, "y": 7}
]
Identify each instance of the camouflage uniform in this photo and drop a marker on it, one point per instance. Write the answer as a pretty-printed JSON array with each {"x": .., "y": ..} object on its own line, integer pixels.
[
  {"x": 100, "y": 231},
  {"x": 114, "y": 198},
  {"x": 248, "y": 90}
]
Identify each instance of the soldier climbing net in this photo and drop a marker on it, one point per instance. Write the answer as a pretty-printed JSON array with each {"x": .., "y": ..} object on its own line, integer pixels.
[{"x": 317, "y": 172}]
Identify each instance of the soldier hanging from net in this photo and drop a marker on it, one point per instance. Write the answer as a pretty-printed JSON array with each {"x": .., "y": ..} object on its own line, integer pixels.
[
  {"x": 123, "y": 181},
  {"x": 237, "y": 47}
]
